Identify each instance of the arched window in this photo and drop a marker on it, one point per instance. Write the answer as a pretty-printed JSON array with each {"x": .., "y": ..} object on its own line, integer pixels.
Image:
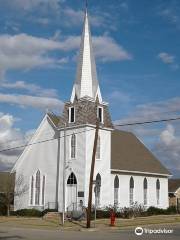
[
  {"x": 72, "y": 179},
  {"x": 32, "y": 190},
  {"x": 158, "y": 191},
  {"x": 131, "y": 191},
  {"x": 98, "y": 149},
  {"x": 71, "y": 192},
  {"x": 116, "y": 190},
  {"x": 145, "y": 186},
  {"x": 98, "y": 184},
  {"x": 73, "y": 146},
  {"x": 37, "y": 196},
  {"x": 43, "y": 189}
]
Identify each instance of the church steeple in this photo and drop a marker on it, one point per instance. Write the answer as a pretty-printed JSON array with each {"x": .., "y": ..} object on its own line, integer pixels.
[{"x": 86, "y": 83}]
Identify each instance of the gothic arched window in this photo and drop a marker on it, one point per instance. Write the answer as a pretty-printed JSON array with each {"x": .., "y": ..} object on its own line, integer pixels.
[
  {"x": 145, "y": 186},
  {"x": 116, "y": 190},
  {"x": 98, "y": 149},
  {"x": 32, "y": 190},
  {"x": 131, "y": 191},
  {"x": 73, "y": 146},
  {"x": 37, "y": 195},
  {"x": 98, "y": 184},
  {"x": 72, "y": 179},
  {"x": 158, "y": 191},
  {"x": 43, "y": 189}
]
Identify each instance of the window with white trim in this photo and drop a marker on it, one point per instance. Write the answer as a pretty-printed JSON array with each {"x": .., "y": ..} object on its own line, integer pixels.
[
  {"x": 71, "y": 114},
  {"x": 158, "y": 191},
  {"x": 116, "y": 191},
  {"x": 43, "y": 189},
  {"x": 98, "y": 183},
  {"x": 145, "y": 186},
  {"x": 98, "y": 149},
  {"x": 100, "y": 114},
  {"x": 38, "y": 186},
  {"x": 32, "y": 190},
  {"x": 72, "y": 179},
  {"x": 131, "y": 191},
  {"x": 37, "y": 189},
  {"x": 73, "y": 146}
]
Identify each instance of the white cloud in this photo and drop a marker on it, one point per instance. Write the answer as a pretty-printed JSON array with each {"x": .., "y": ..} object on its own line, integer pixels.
[
  {"x": 166, "y": 58},
  {"x": 107, "y": 49},
  {"x": 171, "y": 14},
  {"x": 75, "y": 18},
  {"x": 23, "y": 51},
  {"x": 153, "y": 111},
  {"x": 29, "y": 5},
  {"x": 42, "y": 103},
  {"x": 30, "y": 88},
  {"x": 7, "y": 134},
  {"x": 11, "y": 137},
  {"x": 167, "y": 135},
  {"x": 117, "y": 97},
  {"x": 124, "y": 5},
  {"x": 168, "y": 148}
]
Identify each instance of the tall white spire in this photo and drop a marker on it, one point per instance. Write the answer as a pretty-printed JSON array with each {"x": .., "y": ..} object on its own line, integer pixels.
[{"x": 86, "y": 83}]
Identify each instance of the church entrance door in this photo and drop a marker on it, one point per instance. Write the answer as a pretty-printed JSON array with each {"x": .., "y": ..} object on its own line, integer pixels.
[{"x": 71, "y": 193}]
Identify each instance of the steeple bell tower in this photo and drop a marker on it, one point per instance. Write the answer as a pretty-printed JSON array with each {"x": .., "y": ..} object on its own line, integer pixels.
[
  {"x": 86, "y": 84},
  {"x": 86, "y": 105}
]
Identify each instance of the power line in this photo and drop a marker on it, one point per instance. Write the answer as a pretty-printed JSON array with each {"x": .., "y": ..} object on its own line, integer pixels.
[
  {"x": 117, "y": 125},
  {"x": 43, "y": 141},
  {"x": 29, "y": 137},
  {"x": 147, "y": 122}
]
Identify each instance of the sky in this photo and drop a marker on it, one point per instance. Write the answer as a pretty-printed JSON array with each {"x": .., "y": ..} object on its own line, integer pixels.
[{"x": 136, "y": 45}]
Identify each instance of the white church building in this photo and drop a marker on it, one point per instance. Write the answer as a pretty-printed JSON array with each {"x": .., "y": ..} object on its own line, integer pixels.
[{"x": 127, "y": 171}]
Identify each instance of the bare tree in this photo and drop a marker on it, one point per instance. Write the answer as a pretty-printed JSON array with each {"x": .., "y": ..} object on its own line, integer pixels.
[{"x": 13, "y": 187}]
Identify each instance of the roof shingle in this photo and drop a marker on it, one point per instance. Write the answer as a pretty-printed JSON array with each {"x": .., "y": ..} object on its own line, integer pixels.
[
  {"x": 129, "y": 153},
  {"x": 173, "y": 185}
]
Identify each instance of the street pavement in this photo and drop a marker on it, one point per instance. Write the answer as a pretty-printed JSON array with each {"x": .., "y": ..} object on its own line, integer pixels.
[{"x": 10, "y": 233}]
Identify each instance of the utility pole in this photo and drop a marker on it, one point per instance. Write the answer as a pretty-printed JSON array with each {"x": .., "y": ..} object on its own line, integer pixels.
[
  {"x": 64, "y": 176},
  {"x": 88, "y": 225}
]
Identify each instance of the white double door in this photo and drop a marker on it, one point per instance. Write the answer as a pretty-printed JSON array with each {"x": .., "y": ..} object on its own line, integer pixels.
[{"x": 71, "y": 194}]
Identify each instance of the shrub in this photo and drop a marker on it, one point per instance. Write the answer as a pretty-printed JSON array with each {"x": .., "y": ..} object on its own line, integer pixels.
[
  {"x": 27, "y": 213},
  {"x": 3, "y": 210},
  {"x": 159, "y": 211},
  {"x": 137, "y": 210},
  {"x": 44, "y": 212},
  {"x": 155, "y": 211},
  {"x": 172, "y": 210}
]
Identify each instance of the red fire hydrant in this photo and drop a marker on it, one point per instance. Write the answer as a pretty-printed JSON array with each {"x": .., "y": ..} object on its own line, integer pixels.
[{"x": 113, "y": 218}]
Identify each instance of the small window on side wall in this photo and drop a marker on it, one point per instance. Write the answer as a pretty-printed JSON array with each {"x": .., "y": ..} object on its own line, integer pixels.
[
  {"x": 71, "y": 115},
  {"x": 100, "y": 114}
]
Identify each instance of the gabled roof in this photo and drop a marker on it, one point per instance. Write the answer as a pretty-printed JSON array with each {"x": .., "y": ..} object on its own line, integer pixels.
[
  {"x": 173, "y": 185},
  {"x": 54, "y": 118},
  {"x": 57, "y": 121},
  {"x": 130, "y": 154}
]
